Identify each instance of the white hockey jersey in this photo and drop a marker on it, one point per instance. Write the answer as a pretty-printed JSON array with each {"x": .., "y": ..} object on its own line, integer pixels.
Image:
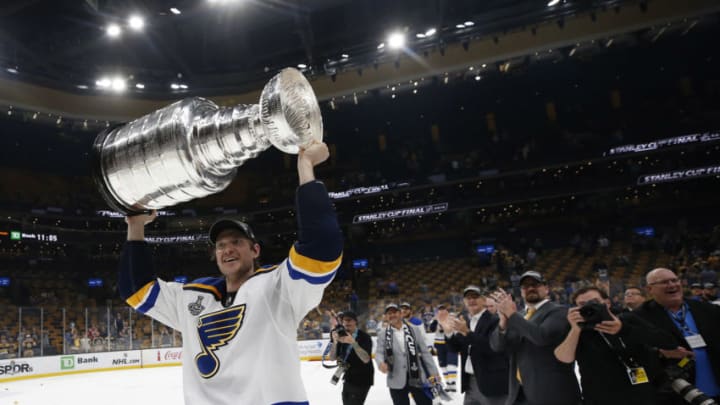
[
  {"x": 224, "y": 361},
  {"x": 244, "y": 353}
]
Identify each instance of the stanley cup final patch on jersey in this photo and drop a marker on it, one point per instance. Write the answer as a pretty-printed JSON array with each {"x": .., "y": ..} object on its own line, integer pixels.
[
  {"x": 215, "y": 331},
  {"x": 196, "y": 307}
]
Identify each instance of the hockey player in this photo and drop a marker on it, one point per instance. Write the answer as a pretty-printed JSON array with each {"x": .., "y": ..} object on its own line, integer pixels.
[
  {"x": 446, "y": 355},
  {"x": 239, "y": 329}
]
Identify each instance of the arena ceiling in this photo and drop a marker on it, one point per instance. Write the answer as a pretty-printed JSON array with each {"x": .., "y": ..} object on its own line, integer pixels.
[
  {"x": 221, "y": 46},
  {"x": 60, "y": 57}
]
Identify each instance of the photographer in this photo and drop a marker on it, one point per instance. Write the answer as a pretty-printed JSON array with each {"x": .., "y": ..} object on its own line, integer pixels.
[
  {"x": 613, "y": 354},
  {"x": 352, "y": 348},
  {"x": 694, "y": 328}
]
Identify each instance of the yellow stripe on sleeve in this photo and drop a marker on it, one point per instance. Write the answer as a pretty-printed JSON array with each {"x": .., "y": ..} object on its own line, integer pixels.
[
  {"x": 139, "y": 295},
  {"x": 209, "y": 288},
  {"x": 312, "y": 265}
]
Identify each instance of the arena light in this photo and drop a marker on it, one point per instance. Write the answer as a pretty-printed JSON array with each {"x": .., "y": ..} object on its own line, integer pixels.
[
  {"x": 139, "y": 86},
  {"x": 12, "y": 70},
  {"x": 174, "y": 86},
  {"x": 136, "y": 22},
  {"x": 396, "y": 40},
  {"x": 420, "y": 35},
  {"x": 345, "y": 56},
  {"x": 118, "y": 84},
  {"x": 430, "y": 32},
  {"x": 553, "y": 3},
  {"x": 381, "y": 46},
  {"x": 175, "y": 11},
  {"x": 302, "y": 66},
  {"x": 113, "y": 30},
  {"x": 103, "y": 82},
  {"x": 469, "y": 23}
]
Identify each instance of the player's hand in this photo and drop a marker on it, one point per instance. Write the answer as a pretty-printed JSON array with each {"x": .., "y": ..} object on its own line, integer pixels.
[
  {"x": 141, "y": 219},
  {"x": 383, "y": 367},
  {"x": 314, "y": 154}
]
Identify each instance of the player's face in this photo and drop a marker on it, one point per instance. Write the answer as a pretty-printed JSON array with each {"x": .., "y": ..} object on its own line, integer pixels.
[{"x": 235, "y": 253}]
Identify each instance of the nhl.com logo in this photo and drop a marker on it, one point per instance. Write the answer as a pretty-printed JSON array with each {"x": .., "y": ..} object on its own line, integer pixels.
[
  {"x": 15, "y": 367},
  {"x": 125, "y": 361}
]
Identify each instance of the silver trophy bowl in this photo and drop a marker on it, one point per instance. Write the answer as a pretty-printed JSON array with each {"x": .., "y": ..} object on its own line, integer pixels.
[{"x": 192, "y": 148}]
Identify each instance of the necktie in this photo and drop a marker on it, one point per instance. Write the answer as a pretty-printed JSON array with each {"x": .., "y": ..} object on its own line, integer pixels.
[{"x": 528, "y": 314}]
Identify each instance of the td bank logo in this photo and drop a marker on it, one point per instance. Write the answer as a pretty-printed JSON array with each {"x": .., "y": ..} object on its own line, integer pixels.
[{"x": 67, "y": 362}]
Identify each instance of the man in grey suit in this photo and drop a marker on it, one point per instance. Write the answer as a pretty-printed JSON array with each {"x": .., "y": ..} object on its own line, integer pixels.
[
  {"x": 403, "y": 355},
  {"x": 536, "y": 376}
]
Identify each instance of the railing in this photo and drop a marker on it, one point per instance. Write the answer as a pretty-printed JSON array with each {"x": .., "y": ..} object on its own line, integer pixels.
[{"x": 49, "y": 330}]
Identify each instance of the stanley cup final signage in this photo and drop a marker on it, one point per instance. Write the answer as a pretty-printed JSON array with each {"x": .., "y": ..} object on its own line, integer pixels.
[{"x": 192, "y": 148}]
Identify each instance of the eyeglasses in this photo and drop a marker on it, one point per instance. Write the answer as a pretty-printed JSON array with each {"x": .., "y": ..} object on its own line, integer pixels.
[{"x": 666, "y": 282}]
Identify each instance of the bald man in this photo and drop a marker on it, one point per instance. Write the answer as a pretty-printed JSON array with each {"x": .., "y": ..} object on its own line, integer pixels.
[{"x": 694, "y": 325}]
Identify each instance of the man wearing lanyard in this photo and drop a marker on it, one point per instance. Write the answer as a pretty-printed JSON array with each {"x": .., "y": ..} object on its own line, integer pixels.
[
  {"x": 352, "y": 350},
  {"x": 613, "y": 356},
  {"x": 694, "y": 325}
]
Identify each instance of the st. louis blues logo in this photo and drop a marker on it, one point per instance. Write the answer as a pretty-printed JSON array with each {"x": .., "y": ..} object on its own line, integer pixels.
[{"x": 215, "y": 331}]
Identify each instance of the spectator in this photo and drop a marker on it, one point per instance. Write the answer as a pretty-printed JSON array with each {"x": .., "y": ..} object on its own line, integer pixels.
[
  {"x": 633, "y": 298},
  {"x": 708, "y": 275},
  {"x": 484, "y": 371},
  {"x": 536, "y": 376},
  {"x": 610, "y": 351},
  {"x": 709, "y": 293},
  {"x": 696, "y": 292},
  {"x": 694, "y": 326}
]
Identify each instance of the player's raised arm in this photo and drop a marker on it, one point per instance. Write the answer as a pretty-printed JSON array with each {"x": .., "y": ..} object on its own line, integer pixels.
[{"x": 317, "y": 254}]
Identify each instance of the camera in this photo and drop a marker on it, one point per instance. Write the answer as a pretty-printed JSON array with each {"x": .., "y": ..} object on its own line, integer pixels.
[
  {"x": 342, "y": 367},
  {"x": 593, "y": 313},
  {"x": 679, "y": 374},
  {"x": 341, "y": 331}
]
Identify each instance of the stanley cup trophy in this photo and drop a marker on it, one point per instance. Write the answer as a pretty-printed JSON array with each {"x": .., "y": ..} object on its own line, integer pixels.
[{"x": 192, "y": 148}]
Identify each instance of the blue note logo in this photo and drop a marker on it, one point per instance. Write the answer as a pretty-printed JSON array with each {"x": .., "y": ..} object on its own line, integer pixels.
[{"x": 215, "y": 331}]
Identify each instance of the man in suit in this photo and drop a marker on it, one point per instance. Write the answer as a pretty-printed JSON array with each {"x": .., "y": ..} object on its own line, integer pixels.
[
  {"x": 536, "y": 376},
  {"x": 402, "y": 354},
  {"x": 484, "y": 378},
  {"x": 693, "y": 324}
]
